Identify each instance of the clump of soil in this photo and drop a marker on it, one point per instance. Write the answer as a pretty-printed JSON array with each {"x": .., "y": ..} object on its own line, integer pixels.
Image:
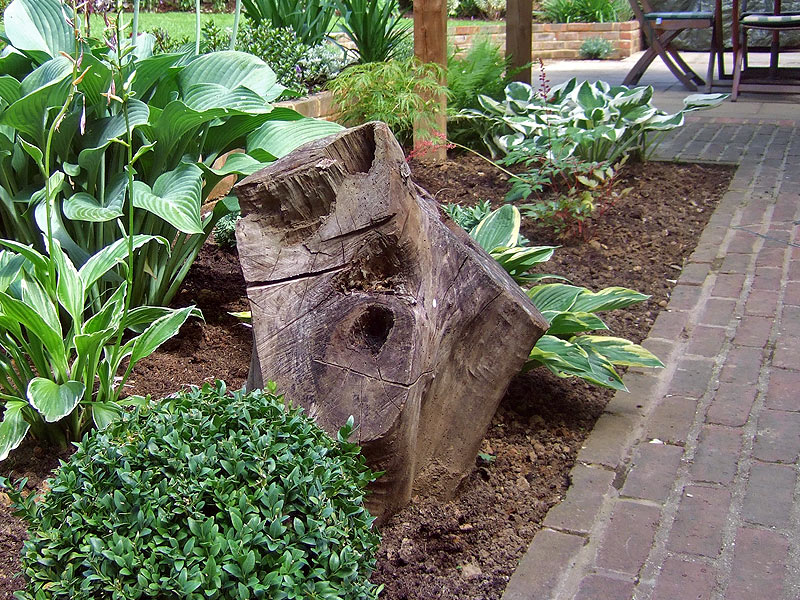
[{"x": 467, "y": 548}]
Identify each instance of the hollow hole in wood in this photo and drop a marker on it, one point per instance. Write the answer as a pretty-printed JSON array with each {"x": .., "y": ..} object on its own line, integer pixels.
[{"x": 372, "y": 328}]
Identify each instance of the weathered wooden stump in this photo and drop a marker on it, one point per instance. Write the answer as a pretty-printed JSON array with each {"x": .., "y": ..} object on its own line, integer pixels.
[{"x": 366, "y": 303}]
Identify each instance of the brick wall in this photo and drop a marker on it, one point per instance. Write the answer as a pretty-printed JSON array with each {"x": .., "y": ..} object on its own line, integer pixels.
[{"x": 557, "y": 40}]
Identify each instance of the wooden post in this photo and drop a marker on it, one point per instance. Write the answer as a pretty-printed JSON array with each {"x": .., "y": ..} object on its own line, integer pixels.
[
  {"x": 430, "y": 46},
  {"x": 519, "y": 36}
]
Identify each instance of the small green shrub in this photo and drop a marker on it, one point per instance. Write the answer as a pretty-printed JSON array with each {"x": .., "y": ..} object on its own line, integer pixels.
[
  {"x": 208, "y": 494},
  {"x": 225, "y": 230},
  {"x": 395, "y": 92},
  {"x": 482, "y": 9},
  {"x": 467, "y": 217},
  {"x": 321, "y": 63},
  {"x": 596, "y": 48}
]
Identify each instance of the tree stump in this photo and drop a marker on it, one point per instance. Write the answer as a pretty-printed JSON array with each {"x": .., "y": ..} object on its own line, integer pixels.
[{"x": 366, "y": 303}]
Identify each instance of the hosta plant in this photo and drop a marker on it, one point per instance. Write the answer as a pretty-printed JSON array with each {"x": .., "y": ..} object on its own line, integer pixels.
[
  {"x": 566, "y": 349},
  {"x": 63, "y": 366},
  {"x": 208, "y": 494},
  {"x": 593, "y": 121},
  {"x": 185, "y": 111}
]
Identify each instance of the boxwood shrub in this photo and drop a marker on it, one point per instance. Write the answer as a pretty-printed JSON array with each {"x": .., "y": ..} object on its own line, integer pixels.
[{"x": 208, "y": 494}]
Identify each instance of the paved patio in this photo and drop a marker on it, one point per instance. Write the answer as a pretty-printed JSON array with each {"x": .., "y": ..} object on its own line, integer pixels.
[{"x": 688, "y": 486}]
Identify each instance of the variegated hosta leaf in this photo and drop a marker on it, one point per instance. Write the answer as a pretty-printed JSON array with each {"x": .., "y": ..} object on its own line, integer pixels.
[
  {"x": 516, "y": 261},
  {"x": 607, "y": 299},
  {"x": 559, "y": 356},
  {"x": 569, "y": 322},
  {"x": 157, "y": 333},
  {"x": 13, "y": 428},
  {"x": 106, "y": 259},
  {"x": 500, "y": 229},
  {"x": 54, "y": 401},
  {"x": 175, "y": 197},
  {"x": 554, "y": 296},
  {"x": 619, "y": 351}
]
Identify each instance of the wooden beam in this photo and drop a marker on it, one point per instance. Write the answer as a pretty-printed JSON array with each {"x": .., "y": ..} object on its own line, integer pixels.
[
  {"x": 430, "y": 46},
  {"x": 519, "y": 37}
]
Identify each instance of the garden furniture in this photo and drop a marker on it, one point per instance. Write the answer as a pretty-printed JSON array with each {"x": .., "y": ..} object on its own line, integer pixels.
[
  {"x": 772, "y": 78},
  {"x": 660, "y": 29}
]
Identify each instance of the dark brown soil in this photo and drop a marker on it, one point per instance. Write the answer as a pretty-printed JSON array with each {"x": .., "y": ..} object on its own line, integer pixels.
[{"x": 468, "y": 548}]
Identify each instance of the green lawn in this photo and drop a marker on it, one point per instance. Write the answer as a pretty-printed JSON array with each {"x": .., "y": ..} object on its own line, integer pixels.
[{"x": 179, "y": 24}]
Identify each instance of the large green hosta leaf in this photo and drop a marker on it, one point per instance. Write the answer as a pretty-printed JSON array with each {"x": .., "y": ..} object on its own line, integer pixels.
[
  {"x": 39, "y": 26},
  {"x": 101, "y": 134},
  {"x": 175, "y": 197},
  {"x": 230, "y": 70},
  {"x": 85, "y": 207},
  {"x": 43, "y": 90},
  {"x": 275, "y": 139}
]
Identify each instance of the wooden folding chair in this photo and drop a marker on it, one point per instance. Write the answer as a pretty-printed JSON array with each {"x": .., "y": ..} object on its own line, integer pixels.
[
  {"x": 763, "y": 79},
  {"x": 660, "y": 29}
]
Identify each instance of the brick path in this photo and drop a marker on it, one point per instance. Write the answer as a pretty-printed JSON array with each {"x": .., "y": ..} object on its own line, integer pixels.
[{"x": 687, "y": 489}]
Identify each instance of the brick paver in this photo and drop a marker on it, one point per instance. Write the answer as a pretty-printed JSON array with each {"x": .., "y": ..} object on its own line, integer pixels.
[{"x": 688, "y": 489}]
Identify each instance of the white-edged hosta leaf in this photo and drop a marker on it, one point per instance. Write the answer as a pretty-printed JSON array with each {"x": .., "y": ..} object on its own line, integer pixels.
[
  {"x": 606, "y": 299},
  {"x": 702, "y": 101},
  {"x": 105, "y": 413},
  {"x": 275, "y": 139},
  {"x": 10, "y": 265},
  {"x": 569, "y": 322},
  {"x": 499, "y": 229},
  {"x": 54, "y": 401},
  {"x": 603, "y": 372},
  {"x": 157, "y": 333},
  {"x": 85, "y": 207},
  {"x": 106, "y": 259},
  {"x": 175, "y": 197},
  {"x": 34, "y": 256},
  {"x": 70, "y": 290},
  {"x": 231, "y": 69},
  {"x": 110, "y": 315},
  {"x": 559, "y": 356},
  {"x": 142, "y": 317},
  {"x": 13, "y": 428},
  {"x": 30, "y": 291},
  {"x": 619, "y": 351},
  {"x": 554, "y": 296},
  {"x": 39, "y": 26}
]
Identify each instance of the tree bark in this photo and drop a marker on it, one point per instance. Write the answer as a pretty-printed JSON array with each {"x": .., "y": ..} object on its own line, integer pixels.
[{"x": 366, "y": 303}]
